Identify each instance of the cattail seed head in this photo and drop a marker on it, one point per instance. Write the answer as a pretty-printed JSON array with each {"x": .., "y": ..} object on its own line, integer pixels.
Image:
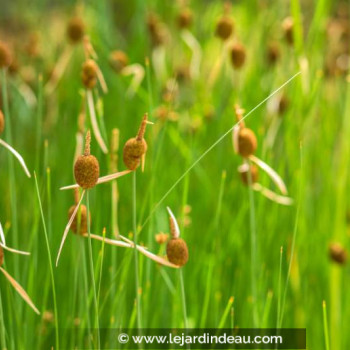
[
  {"x": 135, "y": 147},
  {"x": 1, "y": 256},
  {"x": 89, "y": 74},
  {"x": 273, "y": 53},
  {"x": 238, "y": 55},
  {"x": 287, "y": 27},
  {"x": 83, "y": 220},
  {"x": 161, "y": 237},
  {"x": 118, "y": 60},
  {"x": 75, "y": 29},
  {"x": 247, "y": 142},
  {"x": 86, "y": 167},
  {"x": 184, "y": 18},
  {"x": 5, "y": 55},
  {"x": 156, "y": 30},
  {"x": 337, "y": 253},
  {"x": 2, "y": 122},
  {"x": 254, "y": 171},
  {"x": 177, "y": 251},
  {"x": 224, "y": 28}
]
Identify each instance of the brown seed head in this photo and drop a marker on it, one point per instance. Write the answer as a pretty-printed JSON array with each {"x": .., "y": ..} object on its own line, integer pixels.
[
  {"x": 238, "y": 55},
  {"x": 283, "y": 104},
  {"x": 273, "y": 53},
  {"x": 5, "y": 55},
  {"x": 89, "y": 74},
  {"x": 247, "y": 142},
  {"x": 224, "y": 28},
  {"x": 2, "y": 122},
  {"x": 86, "y": 167},
  {"x": 184, "y": 18},
  {"x": 135, "y": 147},
  {"x": 287, "y": 27},
  {"x": 75, "y": 29},
  {"x": 161, "y": 237},
  {"x": 1, "y": 256},
  {"x": 118, "y": 60},
  {"x": 156, "y": 30},
  {"x": 83, "y": 219},
  {"x": 254, "y": 174},
  {"x": 337, "y": 253},
  {"x": 177, "y": 251}
]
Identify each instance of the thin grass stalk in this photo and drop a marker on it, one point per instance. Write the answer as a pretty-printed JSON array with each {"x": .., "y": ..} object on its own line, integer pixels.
[
  {"x": 296, "y": 225},
  {"x": 91, "y": 262},
  {"x": 50, "y": 263},
  {"x": 137, "y": 283},
  {"x": 39, "y": 122},
  {"x": 253, "y": 245},
  {"x": 325, "y": 325},
  {"x": 2, "y": 326},
  {"x": 279, "y": 290},
  {"x": 228, "y": 132},
  {"x": 12, "y": 177},
  {"x": 183, "y": 298}
]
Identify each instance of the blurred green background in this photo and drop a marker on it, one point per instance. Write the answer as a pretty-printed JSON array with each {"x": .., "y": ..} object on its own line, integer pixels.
[{"x": 214, "y": 208}]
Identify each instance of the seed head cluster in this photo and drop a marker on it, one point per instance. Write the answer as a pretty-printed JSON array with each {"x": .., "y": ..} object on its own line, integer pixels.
[
  {"x": 1, "y": 256},
  {"x": 83, "y": 228},
  {"x": 5, "y": 55},
  {"x": 75, "y": 30},
  {"x": 89, "y": 74},
  {"x": 2, "y": 122},
  {"x": 254, "y": 174},
  {"x": 247, "y": 142},
  {"x": 135, "y": 147},
  {"x": 224, "y": 27},
  {"x": 177, "y": 251},
  {"x": 238, "y": 55},
  {"x": 337, "y": 253},
  {"x": 86, "y": 168},
  {"x": 185, "y": 18},
  {"x": 118, "y": 60}
]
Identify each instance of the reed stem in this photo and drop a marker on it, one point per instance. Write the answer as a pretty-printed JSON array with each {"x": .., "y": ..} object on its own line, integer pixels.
[{"x": 91, "y": 264}]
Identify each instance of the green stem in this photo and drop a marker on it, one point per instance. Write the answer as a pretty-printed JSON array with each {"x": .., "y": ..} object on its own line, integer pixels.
[
  {"x": 253, "y": 245},
  {"x": 50, "y": 263},
  {"x": 12, "y": 178},
  {"x": 137, "y": 283},
  {"x": 2, "y": 327},
  {"x": 183, "y": 298},
  {"x": 325, "y": 325},
  {"x": 91, "y": 261}
]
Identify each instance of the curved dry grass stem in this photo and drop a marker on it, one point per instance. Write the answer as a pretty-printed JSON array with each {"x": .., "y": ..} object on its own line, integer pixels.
[
  {"x": 174, "y": 226},
  {"x": 94, "y": 124},
  {"x": 271, "y": 173},
  {"x": 17, "y": 155},
  {"x": 13, "y": 250},
  {"x": 65, "y": 233},
  {"x": 130, "y": 244},
  {"x": 195, "y": 47},
  {"x": 101, "y": 79},
  {"x": 284, "y": 200},
  {"x": 2, "y": 235},
  {"x": 138, "y": 73},
  {"x": 58, "y": 70},
  {"x": 20, "y": 290}
]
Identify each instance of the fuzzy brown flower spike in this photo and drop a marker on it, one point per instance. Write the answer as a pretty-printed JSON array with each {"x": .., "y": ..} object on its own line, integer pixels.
[
  {"x": 176, "y": 250},
  {"x": 337, "y": 253},
  {"x": 79, "y": 227},
  {"x": 86, "y": 168},
  {"x": 2, "y": 122},
  {"x": 5, "y": 55},
  {"x": 75, "y": 30},
  {"x": 136, "y": 147},
  {"x": 89, "y": 74}
]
